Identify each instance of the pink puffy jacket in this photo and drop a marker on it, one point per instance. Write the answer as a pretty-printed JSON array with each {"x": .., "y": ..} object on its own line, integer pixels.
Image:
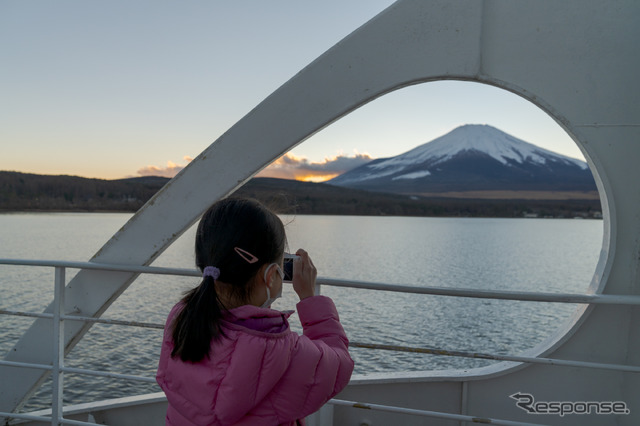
[{"x": 261, "y": 373}]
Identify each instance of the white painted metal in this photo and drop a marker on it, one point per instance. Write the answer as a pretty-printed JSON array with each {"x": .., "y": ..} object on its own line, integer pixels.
[
  {"x": 40, "y": 420},
  {"x": 59, "y": 266},
  {"x": 81, "y": 318},
  {"x": 88, "y": 372},
  {"x": 498, "y": 357},
  {"x": 531, "y": 296},
  {"x": 578, "y": 60},
  {"x": 541, "y": 297},
  {"x": 103, "y": 267},
  {"x": 58, "y": 346},
  {"x": 114, "y": 322},
  {"x": 76, "y": 422},
  {"x": 128, "y": 411},
  {"x": 58, "y": 361},
  {"x": 27, "y": 365},
  {"x": 321, "y": 420},
  {"x": 426, "y": 413}
]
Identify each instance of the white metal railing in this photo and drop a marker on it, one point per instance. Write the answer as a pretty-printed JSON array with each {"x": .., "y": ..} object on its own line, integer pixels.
[{"x": 58, "y": 317}]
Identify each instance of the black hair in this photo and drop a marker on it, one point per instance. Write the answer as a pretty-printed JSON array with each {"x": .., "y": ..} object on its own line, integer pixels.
[{"x": 229, "y": 223}]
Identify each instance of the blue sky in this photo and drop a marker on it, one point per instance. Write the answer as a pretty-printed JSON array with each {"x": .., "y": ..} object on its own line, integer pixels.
[{"x": 122, "y": 88}]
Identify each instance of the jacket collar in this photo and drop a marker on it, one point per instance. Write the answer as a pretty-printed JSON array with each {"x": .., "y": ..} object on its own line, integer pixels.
[{"x": 258, "y": 319}]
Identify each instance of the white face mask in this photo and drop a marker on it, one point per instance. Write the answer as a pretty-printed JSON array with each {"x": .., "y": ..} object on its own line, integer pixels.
[{"x": 270, "y": 300}]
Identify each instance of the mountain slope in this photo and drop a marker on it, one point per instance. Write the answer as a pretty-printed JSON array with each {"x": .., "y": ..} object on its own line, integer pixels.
[{"x": 472, "y": 158}]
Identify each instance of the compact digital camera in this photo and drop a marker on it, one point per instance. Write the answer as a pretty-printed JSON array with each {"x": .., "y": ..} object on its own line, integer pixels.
[{"x": 288, "y": 266}]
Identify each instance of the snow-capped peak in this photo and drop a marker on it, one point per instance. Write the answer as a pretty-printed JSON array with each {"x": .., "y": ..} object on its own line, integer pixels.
[
  {"x": 472, "y": 137},
  {"x": 423, "y": 161}
]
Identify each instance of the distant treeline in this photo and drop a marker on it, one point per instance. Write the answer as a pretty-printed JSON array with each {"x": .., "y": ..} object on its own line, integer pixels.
[
  {"x": 29, "y": 192},
  {"x": 295, "y": 197}
]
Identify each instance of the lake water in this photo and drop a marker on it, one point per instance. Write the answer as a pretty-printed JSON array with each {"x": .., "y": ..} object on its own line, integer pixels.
[{"x": 549, "y": 255}]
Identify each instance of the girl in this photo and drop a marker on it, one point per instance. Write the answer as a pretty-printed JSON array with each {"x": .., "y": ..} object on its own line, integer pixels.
[{"x": 227, "y": 358}]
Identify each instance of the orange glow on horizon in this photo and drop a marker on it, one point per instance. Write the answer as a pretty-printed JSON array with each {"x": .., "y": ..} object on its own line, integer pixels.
[
  {"x": 292, "y": 167},
  {"x": 317, "y": 178}
]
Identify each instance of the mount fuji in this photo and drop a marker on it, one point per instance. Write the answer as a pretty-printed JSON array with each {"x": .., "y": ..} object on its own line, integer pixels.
[{"x": 471, "y": 158}]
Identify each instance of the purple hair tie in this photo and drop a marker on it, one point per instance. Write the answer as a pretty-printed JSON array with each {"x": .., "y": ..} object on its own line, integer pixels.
[{"x": 211, "y": 271}]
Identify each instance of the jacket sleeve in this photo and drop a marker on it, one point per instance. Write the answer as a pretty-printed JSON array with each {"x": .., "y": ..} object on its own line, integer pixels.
[{"x": 320, "y": 364}]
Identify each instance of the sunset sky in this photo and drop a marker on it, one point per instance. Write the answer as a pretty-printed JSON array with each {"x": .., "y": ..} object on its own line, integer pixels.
[{"x": 120, "y": 88}]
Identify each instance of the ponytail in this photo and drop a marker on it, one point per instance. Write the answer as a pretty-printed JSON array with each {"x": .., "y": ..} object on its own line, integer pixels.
[
  {"x": 228, "y": 229},
  {"x": 198, "y": 323}
]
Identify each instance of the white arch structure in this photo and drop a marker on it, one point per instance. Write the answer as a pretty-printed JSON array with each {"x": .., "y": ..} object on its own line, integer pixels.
[{"x": 579, "y": 60}]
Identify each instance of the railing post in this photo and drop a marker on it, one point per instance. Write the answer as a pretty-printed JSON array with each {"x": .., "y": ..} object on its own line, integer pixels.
[{"x": 58, "y": 346}]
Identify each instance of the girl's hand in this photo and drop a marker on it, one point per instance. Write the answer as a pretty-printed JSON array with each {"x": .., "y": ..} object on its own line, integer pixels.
[{"x": 304, "y": 275}]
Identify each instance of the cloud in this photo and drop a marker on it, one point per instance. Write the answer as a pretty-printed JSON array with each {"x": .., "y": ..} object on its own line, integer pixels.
[
  {"x": 299, "y": 168},
  {"x": 286, "y": 167},
  {"x": 169, "y": 171}
]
